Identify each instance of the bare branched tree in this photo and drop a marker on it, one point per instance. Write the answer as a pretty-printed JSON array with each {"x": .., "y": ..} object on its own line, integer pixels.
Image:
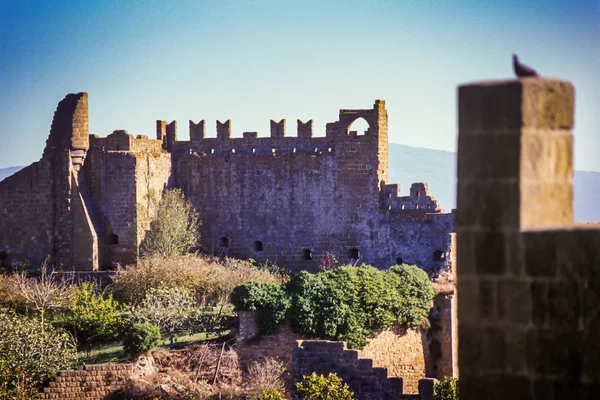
[{"x": 48, "y": 291}]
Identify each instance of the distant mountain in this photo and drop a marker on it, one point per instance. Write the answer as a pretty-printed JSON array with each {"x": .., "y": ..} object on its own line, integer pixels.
[
  {"x": 438, "y": 168},
  {"x": 5, "y": 172}
]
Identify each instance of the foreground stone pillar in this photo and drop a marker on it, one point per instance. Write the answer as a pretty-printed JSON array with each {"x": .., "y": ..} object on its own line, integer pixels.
[{"x": 527, "y": 278}]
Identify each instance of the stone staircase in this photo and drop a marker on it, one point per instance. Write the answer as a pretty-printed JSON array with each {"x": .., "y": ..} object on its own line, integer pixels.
[
  {"x": 93, "y": 382},
  {"x": 366, "y": 381}
]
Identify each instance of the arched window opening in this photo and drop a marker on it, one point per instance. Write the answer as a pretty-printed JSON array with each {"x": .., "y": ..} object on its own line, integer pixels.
[
  {"x": 224, "y": 242},
  {"x": 307, "y": 254},
  {"x": 354, "y": 254},
  {"x": 113, "y": 239},
  {"x": 360, "y": 126},
  {"x": 258, "y": 246},
  {"x": 438, "y": 255},
  {"x": 399, "y": 261}
]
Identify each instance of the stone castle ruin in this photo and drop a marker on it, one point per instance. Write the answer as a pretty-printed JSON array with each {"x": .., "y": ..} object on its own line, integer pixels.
[{"x": 279, "y": 198}]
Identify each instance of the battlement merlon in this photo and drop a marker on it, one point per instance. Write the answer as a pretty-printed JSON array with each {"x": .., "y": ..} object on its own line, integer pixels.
[{"x": 120, "y": 140}]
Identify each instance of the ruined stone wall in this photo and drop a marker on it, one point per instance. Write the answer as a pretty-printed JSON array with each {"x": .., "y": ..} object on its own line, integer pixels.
[
  {"x": 94, "y": 382},
  {"x": 26, "y": 214},
  {"x": 287, "y": 199},
  {"x": 528, "y": 279},
  {"x": 120, "y": 181}
]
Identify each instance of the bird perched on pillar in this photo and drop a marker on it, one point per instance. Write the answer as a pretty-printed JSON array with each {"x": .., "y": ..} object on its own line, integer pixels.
[{"x": 522, "y": 70}]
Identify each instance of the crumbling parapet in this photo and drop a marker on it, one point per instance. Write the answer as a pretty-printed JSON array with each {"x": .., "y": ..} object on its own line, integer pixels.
[{"x": 527, "y": 276}]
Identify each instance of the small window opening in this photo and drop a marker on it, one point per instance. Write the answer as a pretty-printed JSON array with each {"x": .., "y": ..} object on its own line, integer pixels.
[
  {"x": 399, "y": 261},
  {"x": 354, "y": 254},
  {"x": 418, "y": 193},
  {"x": 224, "y": 242},
  {"x": 253, "y": 150},
  {"x": 272, "y": 150},
  {"x": 403, "y": 206},
  {"x": 329, "y": 149},
  {"x": 316, "y": 149},
  {"x": 307, "y": 254},
  {"x": 258, "y": 246},
  {"x": 438, "y": 255},
  {"x": 113, "y": 239},
  {"x": 417, "y": 207},
  {"x": 390, "y": 208},
  {"x": 233, "y": 151},
  {"x": 294, "y": 149},
  {"x": 212, "y": 151},
  {"x": 190, "y": 151},
  {"x": 429, "y": 206}
]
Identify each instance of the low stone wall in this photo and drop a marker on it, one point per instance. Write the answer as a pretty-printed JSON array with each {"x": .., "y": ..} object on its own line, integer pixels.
[
  {"x": 402, "y": 352},
  {"x": 94, "y": 382},
  {"x": 364, "y": 379}
]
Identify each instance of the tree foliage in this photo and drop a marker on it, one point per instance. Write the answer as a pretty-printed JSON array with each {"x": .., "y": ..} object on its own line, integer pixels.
[
  {"x": 346, "y": 303},
  {"x": 94, "y": 315},
  {"x": 175, "y": 229},
  {"x": 446, "y": 389},
  {"x": 168, "y": 308},
  {"x": 140, "y": 338},
  {"x": 319, "y": 387},
  {"x": 269, "y": 300},
  {"x": 30, "y": 354}
]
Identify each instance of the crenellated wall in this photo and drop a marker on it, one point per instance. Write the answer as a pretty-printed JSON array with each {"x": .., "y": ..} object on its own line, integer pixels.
[{"x": 287, "y": 199}]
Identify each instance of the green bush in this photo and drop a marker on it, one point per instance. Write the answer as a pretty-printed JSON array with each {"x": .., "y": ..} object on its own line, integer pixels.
[
  {"x": 446, "y": 389},
  {"x": 346, "y": 303},
  {"x": 141, "y": 338},
  {"x": 317, "y": 387},
  {"x": 352, "y": 303},
  {"x": 95, "y": 316},
  {"x": 31, "y": 353},
  {"x": 416, "y": 293},
  {"x": 270, "y": 395},
  {"x": 269, "y": 300}
]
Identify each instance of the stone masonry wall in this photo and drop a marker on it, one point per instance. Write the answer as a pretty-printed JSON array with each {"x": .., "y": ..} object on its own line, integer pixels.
[
  {"x": 26, "y": 217},
  {"x": 364, "y": 379},
  {"x": 289, "y": 200},
  {"x": 528, "y": 279},
  {"x": 94, "y": 382}
]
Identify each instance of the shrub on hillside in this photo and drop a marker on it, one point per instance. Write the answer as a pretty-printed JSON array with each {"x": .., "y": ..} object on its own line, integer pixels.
[
  {"x": 140, "y": 338},
  {"x": 94, "y": 315},
  {"x": 319, "y": 387},
  {"x": 416, "y": 293},
  {"x": 31, "y": 352},
  {"x": 346, "y": 303},
  {"x": 270, "y": 395},
  {"x": 269, "y": 300},
  {"x": 210, "y": 281},
  {"x": 352, "y": 303}
]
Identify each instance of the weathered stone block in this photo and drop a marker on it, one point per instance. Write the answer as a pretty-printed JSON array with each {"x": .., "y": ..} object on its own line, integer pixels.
[
  {"x": 514, "y": 301},
  {"x": 488, "y": 156},
  {"x": 487, "y": 204}
]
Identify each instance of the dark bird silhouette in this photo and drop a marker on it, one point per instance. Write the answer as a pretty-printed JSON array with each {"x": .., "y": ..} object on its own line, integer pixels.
[{"x": 522, "y": 70}]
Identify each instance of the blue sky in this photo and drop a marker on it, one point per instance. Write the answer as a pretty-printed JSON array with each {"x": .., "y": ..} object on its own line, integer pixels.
[{"x": 252, "y": 61}]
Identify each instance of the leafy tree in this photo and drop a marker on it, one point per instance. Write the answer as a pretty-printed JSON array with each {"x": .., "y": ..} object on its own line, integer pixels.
[
  {"x": 30, "y": 354},
  {"x": 175, "y": 229},
  {"x": 270, "y": 300},
  {"x": 318, "y": 387},
  {"x": 416, "y": 293},
  {"x": 168, "y": 308},
  {"x": 140, "y": 338},
  {"x": 94, "y": 315}
]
